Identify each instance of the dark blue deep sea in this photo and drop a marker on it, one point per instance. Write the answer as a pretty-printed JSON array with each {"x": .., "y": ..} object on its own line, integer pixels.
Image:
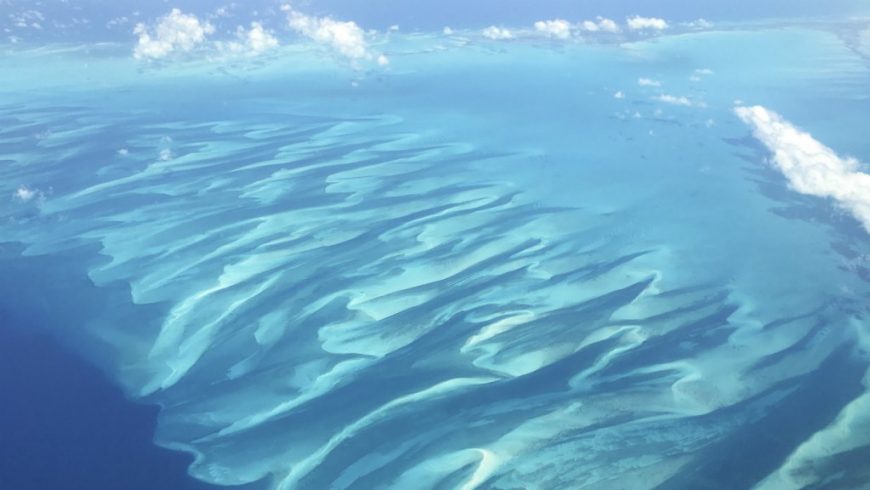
[
  {"x": 65, "y": 425},
  {"x": 493, "y": 245}
]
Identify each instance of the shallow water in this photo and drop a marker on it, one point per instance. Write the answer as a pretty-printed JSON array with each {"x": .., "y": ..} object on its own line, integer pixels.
[{"x": 476, "y": 269}]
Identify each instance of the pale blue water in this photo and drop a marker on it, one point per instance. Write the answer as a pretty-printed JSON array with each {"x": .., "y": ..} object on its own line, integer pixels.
[{"x": 473, "y": 268}]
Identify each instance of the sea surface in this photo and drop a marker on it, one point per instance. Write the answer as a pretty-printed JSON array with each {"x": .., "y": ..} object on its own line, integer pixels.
[{"x": 490, "y": 264}]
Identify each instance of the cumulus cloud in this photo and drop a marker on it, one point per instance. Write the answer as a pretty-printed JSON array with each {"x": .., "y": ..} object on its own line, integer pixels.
[
  {"x": 258, "y": 39},
  {"x": 27, "y": 19},
  {"x": 638, "y": 23},
  {"x": 677, "y": 100},
  {"x": 252, "y": 42},
  {"x": 117, "y": 21},
  {"x": 700, "y": 73},
  {"x": 448, "y": 31},
  {"x": 344, "y": 37},
  {"x": 811, "y": 167},
  {"x": 588, "y": 25},
  {"x": 165, "y": 155},
  {"x": 699, "y": 24},
  {"x": 493, "y": 32},
  {"x": 174, "y": 32},
  {"x": 26, "y": 194},
  {"x": 619, "y": 95},
  {"x": 600, "y": 24},
  {"x": 647, "y": 82},
  {"x": 558, "y": 28}
]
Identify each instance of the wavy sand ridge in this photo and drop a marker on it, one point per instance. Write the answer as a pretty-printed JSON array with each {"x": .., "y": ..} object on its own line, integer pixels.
[{"x": 347, "y": 304}]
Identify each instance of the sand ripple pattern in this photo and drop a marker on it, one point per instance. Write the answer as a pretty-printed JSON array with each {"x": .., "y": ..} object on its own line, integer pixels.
[{"x": 334, "y": 303}]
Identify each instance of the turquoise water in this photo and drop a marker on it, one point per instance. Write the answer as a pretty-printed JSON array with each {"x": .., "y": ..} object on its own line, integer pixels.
[{"x": 476, "y": 267}]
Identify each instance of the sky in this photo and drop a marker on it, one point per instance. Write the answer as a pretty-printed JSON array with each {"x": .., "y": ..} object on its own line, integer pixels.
[
  {"x": 430, "y": 13},
  {"x": 112, "y": 20}
]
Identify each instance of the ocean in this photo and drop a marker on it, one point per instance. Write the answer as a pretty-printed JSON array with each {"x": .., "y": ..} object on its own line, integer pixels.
[{"x": 523, "y": 262}]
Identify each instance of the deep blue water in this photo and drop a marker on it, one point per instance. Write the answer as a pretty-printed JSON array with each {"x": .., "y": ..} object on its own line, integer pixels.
[{"x": 65, "y": 426}]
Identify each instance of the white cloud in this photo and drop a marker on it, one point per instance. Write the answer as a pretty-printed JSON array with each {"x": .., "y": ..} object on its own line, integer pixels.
[
  {"x": 175, "y": 31},
  {"x": 259, "y": 39},
  {"x": 670, "y": 99},
  {"x": 558, "y": 28},
  {"x": 608, "y": 25},
  {"x": 493, "y": 32},
  {"x": 700, "y": 73},
  {"x": 682, "y": 101},
  {"x": 810, "y": 166},
  {"x": 448, "y": 31},
  {"x": 588, "y": 25},
  {"x": 117, "y": 21},
  {"x": 344, "y": 37},
  {"x": 252, "y": 42},
  {"x": 638, "y": 23},
  {"x": 26, "y": 194},
  {"x": 27, "y": 19},
  {"x": 699, "y": 24},
  {"x": 646, "y": 82},
  {"x": 619, "y": 95},
  {"x": 601, "y": 24},
  {"x": 165, "y": 155}
]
